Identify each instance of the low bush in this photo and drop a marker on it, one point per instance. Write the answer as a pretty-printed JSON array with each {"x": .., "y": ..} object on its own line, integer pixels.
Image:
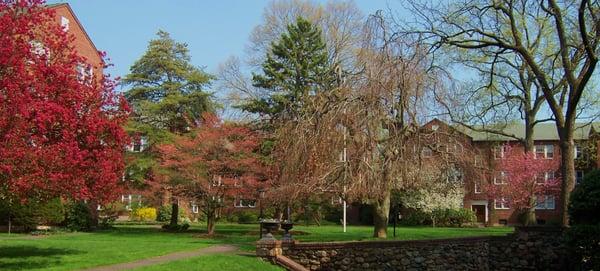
[
  {"x": 247, "y": 217},
  {"x": 176, "y": 228},
  {"x": 79, "y": 217},
  {"x": 583, "y": 237},
  {"x": 439, "y": 218},
  {"x": 583, "y": 242},
  {"x": 143, "y": 214},
  {"x": 31, "y": 214},
  {"x": 584, "y": 205},
  {"x": 415, "y": 218},
  {"x": 163, "y": 214}
]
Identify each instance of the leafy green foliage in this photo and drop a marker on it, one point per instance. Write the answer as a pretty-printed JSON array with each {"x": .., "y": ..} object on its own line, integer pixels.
[
  {"x": 79, "y": 217},
  {"x": 167, "y": 96},
  {"x": 585, "y": 200},
  {"x": 163, "y": 214},
  {"x": 247, "y": 217},
  {"x": 31, "y": 214},
  {"x": 583, "y": 237},
  {"x": 297, "y": 66},
  {"x": 583, "y": 242},
  {"x": 166, "y": 89}
]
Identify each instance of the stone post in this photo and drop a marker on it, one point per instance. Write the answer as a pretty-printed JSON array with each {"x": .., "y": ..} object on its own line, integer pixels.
[{"x": 268, "y": 249}]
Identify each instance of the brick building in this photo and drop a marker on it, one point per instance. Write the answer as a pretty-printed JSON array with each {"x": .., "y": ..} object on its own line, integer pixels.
[
  {"x": 82, "y": 43},
  {"x": 481, "y": 153}
]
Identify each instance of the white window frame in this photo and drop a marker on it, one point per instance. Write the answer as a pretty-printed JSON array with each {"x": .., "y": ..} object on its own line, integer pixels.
[
  {"x": 195, "y": 208},
  {"x": 477, "y": 188},
  {"x": 502, "y": 175},
  {"x": 242, "y": 203},
  {"x": 546, "y": 149},
  {"x": 549, "y": 202},
  {"x": 503, "y": 204},
  {"x": 64, "y": 22},
  {"x": 500, "y": 152}
]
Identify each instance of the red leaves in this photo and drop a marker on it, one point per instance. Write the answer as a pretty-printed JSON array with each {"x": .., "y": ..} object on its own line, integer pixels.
[
  {"x": 58, "y": 137},
  {"x": 525, "y": 176},
  {"x": 217, "y": 159}
]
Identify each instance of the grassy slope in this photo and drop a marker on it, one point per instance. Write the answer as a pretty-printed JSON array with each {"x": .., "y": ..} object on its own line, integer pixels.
[
  {"x": 215, "y": 263},
  {"x": 129, "y": 243}
]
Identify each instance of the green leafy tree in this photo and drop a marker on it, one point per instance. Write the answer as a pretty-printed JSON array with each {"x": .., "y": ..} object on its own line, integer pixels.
[
  {"x": 167, "y": 95},
  {"x": 296, "y": 68}
]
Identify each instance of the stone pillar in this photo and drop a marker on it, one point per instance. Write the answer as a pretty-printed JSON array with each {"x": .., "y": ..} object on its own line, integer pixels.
[{"x": 268, "y": 249}]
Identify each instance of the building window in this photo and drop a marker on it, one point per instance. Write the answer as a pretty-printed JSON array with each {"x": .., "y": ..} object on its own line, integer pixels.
[
  {"x": 578, "y": 176},
  {"x": 545, "y": 202},
  {"x": 499, "y": 152},
  {"x": 426, "y": 152},
  {"x": 547, "y": 176},
  {"x": 64, "y": 22},
  {"x": 139, "y": 145},
  {"x": 578, "y": 151},
  {"x": 477, "y": 188},
  {"x": 128, "y": 200},
  {"x": 85, "y": 73},
  {"x": 500, "y": 178},
  {"x": 434, "y": 127},
  {"x": 477, "y": 161},
  {"x": 194, "y": 208},
  {"x": 544, "y": 151},
  {"x": 244, "y": 203},
  {"x": 501, "y": 204},
  {"x": 38, "y": 48}
]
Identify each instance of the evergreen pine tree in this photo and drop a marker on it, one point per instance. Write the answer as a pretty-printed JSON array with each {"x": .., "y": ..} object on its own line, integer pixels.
[
  {"x": 167, "y": 96},
  {"x": 296, "y": 67}
]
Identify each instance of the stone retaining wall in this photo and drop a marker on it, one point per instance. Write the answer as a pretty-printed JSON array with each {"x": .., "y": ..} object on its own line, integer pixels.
[{"x": 526, "y": 249}]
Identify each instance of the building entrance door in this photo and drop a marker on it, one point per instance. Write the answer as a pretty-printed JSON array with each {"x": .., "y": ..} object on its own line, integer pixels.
[{"x": 479, "y": 212}]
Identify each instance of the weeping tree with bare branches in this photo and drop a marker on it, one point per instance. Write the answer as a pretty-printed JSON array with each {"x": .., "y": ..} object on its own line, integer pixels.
[{"x": 562, "y": 64}]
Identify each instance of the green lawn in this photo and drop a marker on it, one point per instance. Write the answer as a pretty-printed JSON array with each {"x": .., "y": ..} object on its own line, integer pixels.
[{"x": 71, "y": 251}]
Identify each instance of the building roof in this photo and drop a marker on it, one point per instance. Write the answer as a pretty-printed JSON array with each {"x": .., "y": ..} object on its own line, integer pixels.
[{"x": 542, "y": 131}]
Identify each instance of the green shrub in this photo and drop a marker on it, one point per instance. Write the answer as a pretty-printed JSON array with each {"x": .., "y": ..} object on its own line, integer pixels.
[
  {"x": 583, "y": 237},
  {"x": 79, "y": 217},
  {"x": 31, "y": 214},
  {"x": 415, "y": 218},
  {"x": 583, "y": 242},
  {"x": 176, "y": 228},
  {"x": 163, "y": 214},
  {"x": 247, "y": 217},
  {"x": 584, "y": 205},
  {"x": 453, "y": 217}
]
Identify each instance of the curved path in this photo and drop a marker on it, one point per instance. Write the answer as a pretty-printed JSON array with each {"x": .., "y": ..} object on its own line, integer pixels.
[{"x": 166, "y": 258}]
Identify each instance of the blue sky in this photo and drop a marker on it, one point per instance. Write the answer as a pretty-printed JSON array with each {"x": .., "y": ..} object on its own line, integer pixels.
[{"x": 213, "y": 30}]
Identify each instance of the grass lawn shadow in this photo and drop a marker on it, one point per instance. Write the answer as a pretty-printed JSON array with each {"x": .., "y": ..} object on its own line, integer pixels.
[{"x": 31, "y": 257}]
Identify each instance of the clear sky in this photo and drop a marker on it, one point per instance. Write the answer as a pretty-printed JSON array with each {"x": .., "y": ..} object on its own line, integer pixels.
[{"x": 214, "y": 30}]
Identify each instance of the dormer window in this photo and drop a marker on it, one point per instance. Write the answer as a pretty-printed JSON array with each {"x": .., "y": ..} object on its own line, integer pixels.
[{"x": 64, "y": 22}]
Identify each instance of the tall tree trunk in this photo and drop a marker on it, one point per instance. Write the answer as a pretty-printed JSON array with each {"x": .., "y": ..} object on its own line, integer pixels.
[
  {"x": 210, "y": 222},
  {"x": 529, "y": 215},
  {"x": 94, "y": 214},
  {"x": 567, "y": 157},
  {"x": 381, "y": 214},
  {"x": 529, "y": 126},
  {"x": 174, "y": 211}
]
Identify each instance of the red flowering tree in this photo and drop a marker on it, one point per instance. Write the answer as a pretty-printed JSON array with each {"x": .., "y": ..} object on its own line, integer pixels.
[
  {"x": 59, "y": 135},
  {"x": 217, "y": 162},
  {"x": 524, "y": 181}
]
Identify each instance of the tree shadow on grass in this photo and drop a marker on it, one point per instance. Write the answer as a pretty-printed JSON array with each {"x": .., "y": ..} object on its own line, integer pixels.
[{"x": 30, "y": 257}]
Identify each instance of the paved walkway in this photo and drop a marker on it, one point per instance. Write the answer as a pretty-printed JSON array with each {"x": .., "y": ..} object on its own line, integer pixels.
[{"x": 166, "y": 258}]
